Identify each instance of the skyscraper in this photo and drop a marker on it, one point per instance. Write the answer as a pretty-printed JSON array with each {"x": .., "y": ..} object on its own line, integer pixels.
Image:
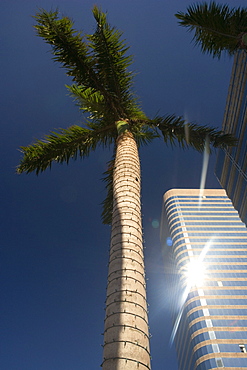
[
  {"x": 231, "y": 166},
  {"x": 209, "y": 272}
]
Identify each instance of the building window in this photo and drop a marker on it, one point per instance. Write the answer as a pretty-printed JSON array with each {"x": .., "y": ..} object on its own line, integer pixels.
[
  {"x": 219, "y": 362},
  {"x": 242, "y": 348}
]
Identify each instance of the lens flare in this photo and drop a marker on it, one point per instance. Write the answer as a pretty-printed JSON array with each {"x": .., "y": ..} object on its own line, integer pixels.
[
  {"x": 204, "y": 169},
  {"x": 169, "y": 241},
  {"x": 186, "y": 129},
  {"x": 155, "y": 224}
]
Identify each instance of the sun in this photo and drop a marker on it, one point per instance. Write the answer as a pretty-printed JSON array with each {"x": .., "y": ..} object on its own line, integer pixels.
[{"x": 195, "y": 273}]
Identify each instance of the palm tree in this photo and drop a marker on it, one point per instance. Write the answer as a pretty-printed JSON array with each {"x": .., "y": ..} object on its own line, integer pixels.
[
  {"x": 102, "y": 86},
  {"x": 217, "y": 27}
]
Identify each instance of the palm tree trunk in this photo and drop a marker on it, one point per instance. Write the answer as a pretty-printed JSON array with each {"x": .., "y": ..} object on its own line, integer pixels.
[{"x": 126, "y": 337}]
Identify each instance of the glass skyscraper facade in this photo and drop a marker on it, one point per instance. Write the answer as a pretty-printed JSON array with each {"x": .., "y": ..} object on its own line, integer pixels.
[
  {"x": 231, "y": 166},
  {"x": 208, "y": 266}
]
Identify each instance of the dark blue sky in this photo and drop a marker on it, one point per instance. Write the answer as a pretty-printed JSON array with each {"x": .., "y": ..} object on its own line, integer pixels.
[{"x": 54, "y": 249}]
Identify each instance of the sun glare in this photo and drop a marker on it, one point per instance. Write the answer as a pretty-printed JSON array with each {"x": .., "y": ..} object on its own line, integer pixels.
[{"x": 195, "y": 273}]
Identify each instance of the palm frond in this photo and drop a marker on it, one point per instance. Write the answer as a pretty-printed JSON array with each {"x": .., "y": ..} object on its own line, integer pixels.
[
  {"x": 143, "y": 133},
  {"x": 112, "y": 63},
  {"x": 90, "y": 101},
  {"x": 175, "y": 130},
  {"x": 107, "y": 204},
  {"x": 59, "y": 147},
  {"x": 217, "y": 28},
  {"x": 97, "y": 63},
  {"x": 68, "y": 47}
]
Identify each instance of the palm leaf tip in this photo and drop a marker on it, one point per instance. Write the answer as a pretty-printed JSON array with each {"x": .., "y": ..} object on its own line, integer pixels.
[
  {"x": 99, "y": 16},
  {"x": 36, "y": 158},
  {"x": 67, "y": 46},
  {"x": 224, "y": 141},
  {"x": 112, "y": 62},
  {"x": 60, "y": 146}
]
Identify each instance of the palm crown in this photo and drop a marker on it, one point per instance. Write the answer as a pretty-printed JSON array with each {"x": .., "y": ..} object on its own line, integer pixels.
[
  {"x": 216, "y": 28},
  {"x": 102, "y": 87}
]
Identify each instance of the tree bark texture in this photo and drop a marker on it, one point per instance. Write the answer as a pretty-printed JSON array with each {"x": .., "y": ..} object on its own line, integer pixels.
[{"x": 126, "y": 336}]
